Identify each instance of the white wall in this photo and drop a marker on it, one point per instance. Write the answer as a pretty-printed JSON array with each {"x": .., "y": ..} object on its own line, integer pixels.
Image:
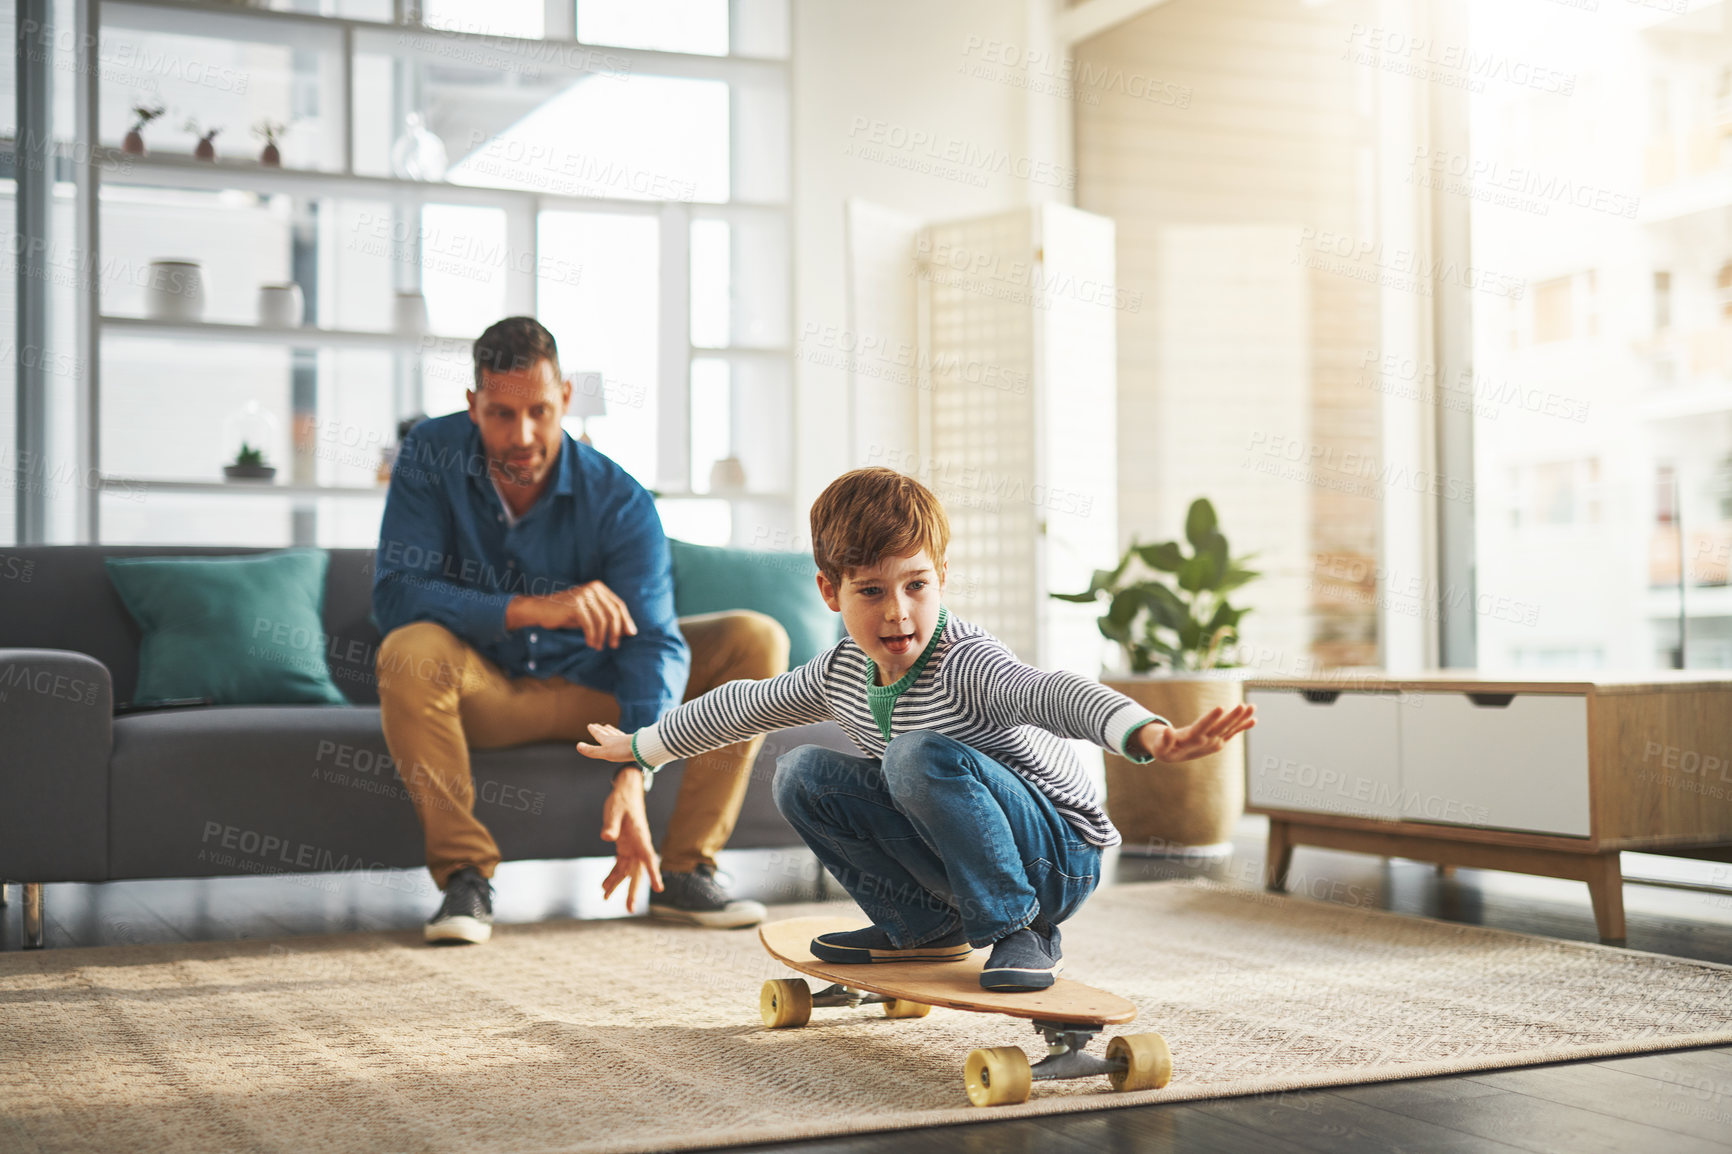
[{"x": 898, "y": 103}]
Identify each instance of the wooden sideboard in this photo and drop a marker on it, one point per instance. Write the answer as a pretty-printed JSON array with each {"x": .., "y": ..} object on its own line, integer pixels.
[{"x": 1534, "y": 775}]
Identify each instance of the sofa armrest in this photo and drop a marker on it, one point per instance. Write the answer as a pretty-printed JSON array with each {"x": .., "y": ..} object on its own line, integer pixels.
[{"x": 57, "y": 729}]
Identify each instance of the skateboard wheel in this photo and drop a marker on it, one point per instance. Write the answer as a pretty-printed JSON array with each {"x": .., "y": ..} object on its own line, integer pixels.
[
  {"x": 1148, "y": 1062},
  {"x": 902, "y": 1008},
  {"x": 999, "y": 1076},
  {"x": 785, "y": 1002}
]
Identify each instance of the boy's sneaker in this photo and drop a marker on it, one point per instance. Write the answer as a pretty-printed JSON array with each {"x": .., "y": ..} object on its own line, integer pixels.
[
  {"x": 872, "y": 944},
  {"x": 466, "y": 914},
  {"x": 699, "y": 899},
  {"x": 1028, "y": 959}
]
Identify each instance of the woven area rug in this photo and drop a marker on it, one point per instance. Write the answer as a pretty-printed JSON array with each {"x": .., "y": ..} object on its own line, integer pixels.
[{"x": 629, "y": 1035}]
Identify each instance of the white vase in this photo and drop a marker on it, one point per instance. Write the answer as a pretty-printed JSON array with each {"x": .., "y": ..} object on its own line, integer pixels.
[
  {"x": 410, "y": 314},
  {"x": 281, "y": 306},
  {"x": 728, "y": 475},
  {"x": 175, "y": 291},
  {"x": 418, "y": 154}
]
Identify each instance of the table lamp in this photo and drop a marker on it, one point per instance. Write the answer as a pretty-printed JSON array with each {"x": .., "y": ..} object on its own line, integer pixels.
[{"x": 587, "y": 400}]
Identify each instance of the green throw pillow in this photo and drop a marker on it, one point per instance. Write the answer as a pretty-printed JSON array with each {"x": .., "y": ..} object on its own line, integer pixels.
[
  {"x": 244, "y": 630},
  {"x": 708, "y": 579}
]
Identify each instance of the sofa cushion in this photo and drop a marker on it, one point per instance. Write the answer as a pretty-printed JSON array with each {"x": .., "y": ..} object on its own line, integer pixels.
[
  {"x": 709, "y": 579},
  {"x": 221, "y": 790},
  {"x": 238, "y": 630},
  {"x": 60, "y": 597}
]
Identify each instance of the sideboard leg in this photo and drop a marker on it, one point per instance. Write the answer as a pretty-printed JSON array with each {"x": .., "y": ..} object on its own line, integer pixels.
[
  {"x": 1279, "y": 857},
  {"x": 1445, "y": 870},
  {"x": 3, "y": 887},
  {"x": 32, "y": 915},
  {"x": 1606, "y": 888}
]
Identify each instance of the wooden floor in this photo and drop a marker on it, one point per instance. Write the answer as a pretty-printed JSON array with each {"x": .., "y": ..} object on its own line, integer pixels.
[{"x": 1674, "y": 1103}]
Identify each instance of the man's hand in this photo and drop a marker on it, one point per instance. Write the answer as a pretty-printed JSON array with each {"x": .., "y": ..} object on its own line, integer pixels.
[
  {"x": 623, "y": 822},
  {"x": 591, "y": 607},
  {"x": 1202, "y": 737}
]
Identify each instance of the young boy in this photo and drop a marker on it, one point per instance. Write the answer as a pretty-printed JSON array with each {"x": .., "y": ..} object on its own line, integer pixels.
[{"x": 969, "y": 822}]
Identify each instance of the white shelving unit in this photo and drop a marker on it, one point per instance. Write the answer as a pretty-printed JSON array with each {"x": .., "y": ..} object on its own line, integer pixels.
[
  {"x": 761, "y": 371},
  {"x": 134, "y": 485},
  {"x": 303, "y": 336}
]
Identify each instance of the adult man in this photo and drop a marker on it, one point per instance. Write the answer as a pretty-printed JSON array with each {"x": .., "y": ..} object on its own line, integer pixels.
[{"x": 523, "y": 586}]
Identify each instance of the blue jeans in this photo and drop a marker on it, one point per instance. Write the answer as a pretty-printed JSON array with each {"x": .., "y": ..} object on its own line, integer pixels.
[{"x": 935, "y": 836}]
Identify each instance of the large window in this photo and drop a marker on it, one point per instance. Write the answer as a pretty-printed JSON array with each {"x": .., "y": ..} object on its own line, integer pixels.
[
  {"x": 1439, "y": 314},
  {"x": 580, "y": 164},
  {"x": 1598, "y": 172}
]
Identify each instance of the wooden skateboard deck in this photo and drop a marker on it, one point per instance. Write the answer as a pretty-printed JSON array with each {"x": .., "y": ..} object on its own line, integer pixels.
[
  {"x": 1067, "y": 1014},
  {"x": 954, "y": 985}
]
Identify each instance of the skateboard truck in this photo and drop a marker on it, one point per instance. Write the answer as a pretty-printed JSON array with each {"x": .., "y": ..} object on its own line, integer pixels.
[
  {"x": 786, "y": 1002},
  {"x": 839, "y": 995},
  {"x": 1066, "y": 1056}
]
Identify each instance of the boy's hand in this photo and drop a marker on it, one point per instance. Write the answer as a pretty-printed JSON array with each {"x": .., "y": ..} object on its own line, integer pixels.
[
  {"x": 623, "y": 822},
  {"x": 1202, "y": 737},
  {"x": 611, "y": 744}
]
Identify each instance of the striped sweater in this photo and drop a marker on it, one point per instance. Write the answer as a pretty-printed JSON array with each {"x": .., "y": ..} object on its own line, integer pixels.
[{"x": 967, "y": 685}]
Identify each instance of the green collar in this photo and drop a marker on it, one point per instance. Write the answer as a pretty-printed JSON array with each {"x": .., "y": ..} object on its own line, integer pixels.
[
  {"x": 873, "y": 689},
  {"x": 881, "y": 699}
]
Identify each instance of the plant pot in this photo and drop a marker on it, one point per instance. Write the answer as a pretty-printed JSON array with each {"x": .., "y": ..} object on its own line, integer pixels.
[
  {"x": 133, "y": 143},
  {"x": 175, "y": 291},
  {"x": 270, "y": 157},
  {"x": 249, "y": 472},
  {"x": 1190, "y": 807},
  {"x": 205, "y": 151}
]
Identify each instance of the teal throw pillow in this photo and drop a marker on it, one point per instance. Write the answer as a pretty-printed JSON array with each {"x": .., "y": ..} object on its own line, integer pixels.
[
  {"x": 708, "y": 579},
  {"x": 244, "y": 630}
]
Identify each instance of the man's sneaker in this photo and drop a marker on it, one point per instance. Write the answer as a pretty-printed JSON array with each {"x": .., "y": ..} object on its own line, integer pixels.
[
  {"x": 466, "y": 914},
  {"x": 872, "y": 944},
  {"x": 699, "y": 899},
  {"x": 1028, "y": 959}
]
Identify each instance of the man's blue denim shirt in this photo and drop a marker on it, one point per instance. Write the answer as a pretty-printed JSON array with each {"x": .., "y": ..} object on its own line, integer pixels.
[{"x": 447, "y": 556}]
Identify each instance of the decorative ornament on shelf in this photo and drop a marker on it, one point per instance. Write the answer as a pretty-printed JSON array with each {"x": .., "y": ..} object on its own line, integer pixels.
[
  {"x": 1182, "y": 629},
  {"x": 206, "y": 150},
  {"x": 176, "y": 290},
  {"x": 409, "y": 314},
  {"x": 270, "y": 131},
  {"x": 247, "y": 431},
  {"x": 587, "y": 400},
  {"x": 249, "y": 465},
  {"x": 282, "y": 306},
  {"x": 728, "y": 475},
  {"x": 388, "y": 453},
  {"x": 418, "y": 153},
  {"x": 142, "y": 114}
]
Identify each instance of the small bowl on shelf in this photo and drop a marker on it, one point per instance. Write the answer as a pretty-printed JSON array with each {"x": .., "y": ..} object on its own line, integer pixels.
[{"x": 249, "y": 472}]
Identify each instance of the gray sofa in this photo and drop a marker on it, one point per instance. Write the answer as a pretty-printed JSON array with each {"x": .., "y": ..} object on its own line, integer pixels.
[{"x": 86, "y": 795}]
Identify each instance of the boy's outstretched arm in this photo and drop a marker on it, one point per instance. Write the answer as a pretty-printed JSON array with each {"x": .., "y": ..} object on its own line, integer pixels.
[
  {"x": 1012, "y": 692},
  {"x": 726, "y": 714}
]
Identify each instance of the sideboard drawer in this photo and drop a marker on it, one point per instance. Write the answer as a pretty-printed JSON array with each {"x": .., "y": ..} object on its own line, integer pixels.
[
  {"x": 1517, "y": 762},
  {"x": 1331, "y": 752}
]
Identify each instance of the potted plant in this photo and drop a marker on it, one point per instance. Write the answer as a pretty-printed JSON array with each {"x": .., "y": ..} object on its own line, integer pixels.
[
  {"x": 270, "y": 132},
  {"x": 206, "y": 150},
  {"x": 249, "y": 465},
  {"x": 142, "y": 114},
  {"x": 1168, "y": 609}
]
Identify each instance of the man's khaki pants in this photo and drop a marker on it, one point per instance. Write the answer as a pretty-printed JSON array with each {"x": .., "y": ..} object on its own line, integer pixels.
[{"x": 439, "y": 699}]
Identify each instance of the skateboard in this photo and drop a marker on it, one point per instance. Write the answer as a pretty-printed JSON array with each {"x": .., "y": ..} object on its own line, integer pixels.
[{"x": 1067, "y": 1014}]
